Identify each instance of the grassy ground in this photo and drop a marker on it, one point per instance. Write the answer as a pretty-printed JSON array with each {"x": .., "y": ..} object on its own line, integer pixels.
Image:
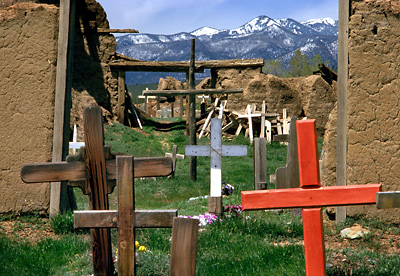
[{"x": 253, "y": 243}]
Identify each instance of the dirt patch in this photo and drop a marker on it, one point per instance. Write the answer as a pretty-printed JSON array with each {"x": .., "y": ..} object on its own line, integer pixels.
[{"x": 28, "y": 231}]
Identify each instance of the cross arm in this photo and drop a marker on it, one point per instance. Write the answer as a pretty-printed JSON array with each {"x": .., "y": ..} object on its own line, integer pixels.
[
  {"x": 109, "y": 218},
  {"x": 385, "y": 200},
  {"x": 306, "y": 198},
  {"x": 76, "y": 171}
]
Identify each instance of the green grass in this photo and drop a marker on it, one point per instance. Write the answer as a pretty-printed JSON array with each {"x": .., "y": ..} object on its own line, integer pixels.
[{"x": 256, "y": 243}]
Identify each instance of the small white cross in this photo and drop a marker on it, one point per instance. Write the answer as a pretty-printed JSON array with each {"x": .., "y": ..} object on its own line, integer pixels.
[{"x": 216, "y": 150}]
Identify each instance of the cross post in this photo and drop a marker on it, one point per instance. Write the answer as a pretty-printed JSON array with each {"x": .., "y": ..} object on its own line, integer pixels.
[
  {"x": 311, "y": 197},
  {"x": 216, "y": 150},
  {"x": 93, "y": 169}
]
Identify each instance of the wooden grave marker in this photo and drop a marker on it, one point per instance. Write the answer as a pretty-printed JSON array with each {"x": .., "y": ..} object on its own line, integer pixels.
[
  {"x": 94, "y": 171},
  {"x": 126, "y": 219},
  {"x": 216, "y": 150},
  {"x": 288, "y": 177},
  {"x": 311, "y": 197},
  {"x": 260, "y": 163},
  {"x": 174, "y": 155}
]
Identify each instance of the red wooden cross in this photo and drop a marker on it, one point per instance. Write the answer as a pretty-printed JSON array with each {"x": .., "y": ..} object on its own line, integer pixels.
[{"x": 311, "y": 197}]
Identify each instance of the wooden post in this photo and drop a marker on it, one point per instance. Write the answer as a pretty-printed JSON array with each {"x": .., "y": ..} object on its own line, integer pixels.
[
  {"x": 181, "y": 106},
  {"x": 121, "y": 97},
  {"x": 59, "y": 191},
  {"x": 260, "y": 163},
  {"x": 97, "y": 185},
  {"x": 192, "y": 112},
  {"x": 288, "y": 177},
  {"x": 184, "y": 247},
  {"x": 263, "y": 110},
  {"x": 126, "y": 215},
  {"x": 341, "y": 142},
  {"x": 172, "y": 110}
]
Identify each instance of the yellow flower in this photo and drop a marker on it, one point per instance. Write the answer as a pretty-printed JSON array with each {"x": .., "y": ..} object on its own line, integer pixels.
[
  {"x": 116, "y": 251},
  {"x": 136, "y": 244},
  {"x": 142, "y": 248}
]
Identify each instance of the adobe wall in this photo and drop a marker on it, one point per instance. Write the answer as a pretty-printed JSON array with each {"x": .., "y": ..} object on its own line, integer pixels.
[
  {"x": 28, "y": 49},
  {"x": 373, "y": 103},
  {"x": 309, "y": 96}
]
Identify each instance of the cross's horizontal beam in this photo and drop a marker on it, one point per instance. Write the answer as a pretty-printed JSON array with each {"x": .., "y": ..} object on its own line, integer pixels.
[
  {"x": 306, "y": 198},
  {"x": 76, "y": 171},
  {"x": 205, "y": 150},
  {"x": 385, "y": 200},
  {"x": 154, "y": 66},
  {"x": 183, "y": 66},
  {"x": 109, "y": 218},
  {"x": 191, "y": 92}
]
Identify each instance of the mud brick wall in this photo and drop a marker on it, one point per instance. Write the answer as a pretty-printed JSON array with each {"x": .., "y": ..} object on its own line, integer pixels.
[
  {"x": 28, "y": 51},
  {"x": 373, "y": 103}
]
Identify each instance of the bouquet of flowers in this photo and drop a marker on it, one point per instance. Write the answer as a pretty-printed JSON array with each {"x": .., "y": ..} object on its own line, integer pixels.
[
  {"x": 227, "y": 189},
  {"x": 204, "y": 219}
]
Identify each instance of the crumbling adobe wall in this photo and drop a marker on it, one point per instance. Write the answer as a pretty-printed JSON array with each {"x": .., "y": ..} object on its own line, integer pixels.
[
  {"x": 309, "y": 96},
  {"x": 373, "y": 103},
  {"x": 28, "y": 49}
]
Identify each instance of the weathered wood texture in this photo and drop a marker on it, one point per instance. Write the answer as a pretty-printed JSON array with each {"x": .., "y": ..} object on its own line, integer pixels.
[
  {"x": 121, "y": 97},
  {"x": 97, "y": 186},
  {"x": 288, "y": 177},
  {"x": 386, "y": 200},
  {"x": 182, "y": 66},
  {"x": 184, "y": 247},
  {"x": 260, "y": 163},
  {"x": 109, "y": 218},
  {"x": 343, "y": 71},
  {"x": 62, "y": 102},
  {"x": 192, "y": 111},
  {"x": 126, "y": 215},
  {"x": 117, "y": 31},
  {"x": 76, "y": 171}
]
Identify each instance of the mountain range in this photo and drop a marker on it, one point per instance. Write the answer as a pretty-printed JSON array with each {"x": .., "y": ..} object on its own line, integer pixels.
[{"x": 262, "y": 37}]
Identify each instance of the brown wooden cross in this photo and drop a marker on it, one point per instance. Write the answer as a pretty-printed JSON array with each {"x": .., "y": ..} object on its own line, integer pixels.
[
  {"x": 311, "y": 197},
  {"x": 94, "y": 171},
  {"x": 126, "y": 219}
]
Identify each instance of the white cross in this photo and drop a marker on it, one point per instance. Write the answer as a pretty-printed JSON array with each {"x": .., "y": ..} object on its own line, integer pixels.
[{"x": 216, "y": 150}]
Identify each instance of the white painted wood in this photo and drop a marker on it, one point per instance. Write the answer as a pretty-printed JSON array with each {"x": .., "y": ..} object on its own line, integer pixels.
[
  {"x": 179, "y": 156},
  {"x": 250, "y": 124},
  {"x": 285, "y": 122},
  {"x": 268, "y": 127},
  {"x": 263, "y": 109},
  {"x": 216, "y": 150},
  {"x": 221, "y": 109}
]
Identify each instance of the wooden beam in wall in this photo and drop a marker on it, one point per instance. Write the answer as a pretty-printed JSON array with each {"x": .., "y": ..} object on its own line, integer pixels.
[
  {"x": 59, "y": 191},
  {"x": 343, "y": 67}
]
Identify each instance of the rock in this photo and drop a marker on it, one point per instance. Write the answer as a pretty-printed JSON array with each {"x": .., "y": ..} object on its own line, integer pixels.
[
  {"x": 169, "y": 83},
  {"x": 354, "y": 232}
]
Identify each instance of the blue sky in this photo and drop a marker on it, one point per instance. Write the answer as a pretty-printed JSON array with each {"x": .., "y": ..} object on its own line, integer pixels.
[{"x": 174, "y": 16}]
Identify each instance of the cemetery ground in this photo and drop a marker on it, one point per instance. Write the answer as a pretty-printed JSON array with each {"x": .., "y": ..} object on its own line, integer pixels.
[{"x": 248, "y": 243}]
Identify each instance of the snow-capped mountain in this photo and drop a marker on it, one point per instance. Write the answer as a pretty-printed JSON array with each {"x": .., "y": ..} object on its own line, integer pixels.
[{"x": 262, "y": 37}]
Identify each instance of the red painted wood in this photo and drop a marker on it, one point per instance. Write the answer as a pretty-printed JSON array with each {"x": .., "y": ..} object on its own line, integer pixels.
[
  {"x": 308, "y": 154},
  {"x": 302, "y": 198},
  {"x": 314, "y": 245},
  {"x": 311, "y": 194}
]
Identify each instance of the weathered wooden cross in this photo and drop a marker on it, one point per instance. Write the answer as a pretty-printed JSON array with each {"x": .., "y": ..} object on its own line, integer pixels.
[
  {"x": 216, "y": 150},
  {"x": 311, "y": 197},
  {"x": 94, "y": 171},
  {"x": 126, "y": 219}
]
